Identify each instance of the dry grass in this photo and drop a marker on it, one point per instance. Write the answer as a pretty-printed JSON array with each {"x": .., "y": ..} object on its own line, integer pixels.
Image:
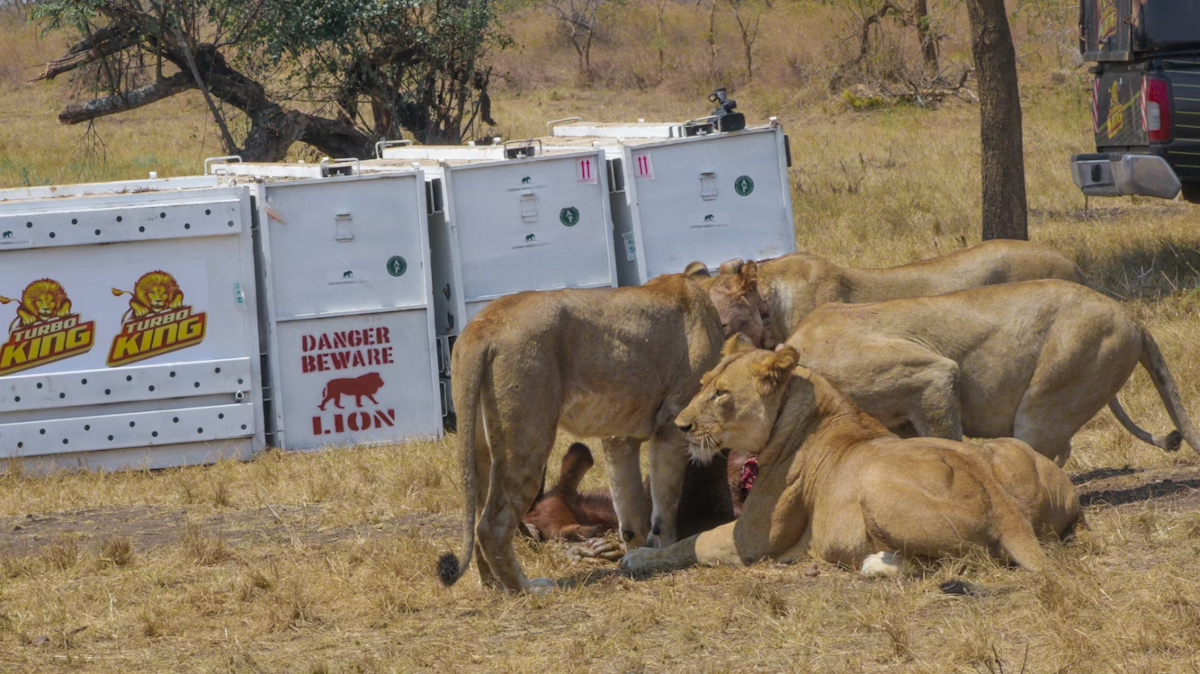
[{"x": 324, "y": 562}]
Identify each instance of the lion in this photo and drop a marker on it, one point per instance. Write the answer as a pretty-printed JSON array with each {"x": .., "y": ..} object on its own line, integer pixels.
[
  {"x": 154, "y": 293},
  {"x": 766, "y": 301},
  {"x": 1033, "y": 360},
  {"x": 615, "y": 363},
  {"x": 367, "y": 385},
  {"x": 43, "y": 301},
  {"x": 835, "y": 485}
]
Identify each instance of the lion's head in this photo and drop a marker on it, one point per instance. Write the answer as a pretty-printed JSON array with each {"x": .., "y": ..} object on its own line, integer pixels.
[
  {"x": 735, "y": 294},
  {"x": 739, "y": 401},
  {"x": 46, "y": 300},
  {"x": 158, "y": 292},
  {"x": 372, "y": 379}
]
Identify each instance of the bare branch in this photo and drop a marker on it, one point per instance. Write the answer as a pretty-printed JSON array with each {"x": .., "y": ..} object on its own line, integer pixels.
[
  {"x": 106, "y": 41},
  {"x": 111, "y": 105}
]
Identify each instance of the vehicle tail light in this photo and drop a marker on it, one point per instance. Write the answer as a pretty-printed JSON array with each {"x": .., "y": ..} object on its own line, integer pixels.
[{"x": 1156, "y": 109}]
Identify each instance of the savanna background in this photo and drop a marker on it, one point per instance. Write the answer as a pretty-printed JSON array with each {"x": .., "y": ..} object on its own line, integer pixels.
[{"x": 324, "y": 562}]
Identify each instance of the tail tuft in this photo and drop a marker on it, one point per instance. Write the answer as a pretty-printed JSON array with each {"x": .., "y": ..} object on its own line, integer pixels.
[
  {"x": 1172, "y": 442},
  {"x": 448, "y": 569}
]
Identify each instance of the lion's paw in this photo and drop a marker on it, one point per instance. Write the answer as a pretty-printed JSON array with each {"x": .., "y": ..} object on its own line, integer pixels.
[
  {"x": 884, "y": 564},
  {"x": 640, "y": 560}
]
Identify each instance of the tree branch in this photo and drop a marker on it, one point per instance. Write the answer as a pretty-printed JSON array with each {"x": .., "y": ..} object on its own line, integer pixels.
[
  {"x": 111, "y": 105},
  {"x": 107, "y": 40}
]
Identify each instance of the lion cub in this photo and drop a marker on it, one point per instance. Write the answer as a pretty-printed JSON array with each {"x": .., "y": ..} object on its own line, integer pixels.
[{"x": 835, "y": 485}]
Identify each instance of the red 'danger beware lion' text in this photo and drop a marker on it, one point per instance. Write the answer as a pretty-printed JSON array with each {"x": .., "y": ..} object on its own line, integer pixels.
[{"x": 344, "y": 350}]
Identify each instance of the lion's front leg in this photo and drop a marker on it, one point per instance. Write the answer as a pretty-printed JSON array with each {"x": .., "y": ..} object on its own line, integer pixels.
[
  {"x": 668, "y": 462},
  {"x": 625, "y": 482},
  {"x": 712, "y": 548}
]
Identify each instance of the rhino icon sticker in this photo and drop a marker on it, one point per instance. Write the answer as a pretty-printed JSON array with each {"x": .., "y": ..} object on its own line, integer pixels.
[
  {"x": 569, "y": 216},
  {"x": 744, "y": 185}
]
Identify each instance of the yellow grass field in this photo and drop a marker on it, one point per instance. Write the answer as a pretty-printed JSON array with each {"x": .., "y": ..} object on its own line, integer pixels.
[{"x": 324, "y": 562}]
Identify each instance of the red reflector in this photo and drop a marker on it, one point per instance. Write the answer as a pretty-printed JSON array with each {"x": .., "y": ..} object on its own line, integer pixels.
[{"x": 1156, "y": 109}]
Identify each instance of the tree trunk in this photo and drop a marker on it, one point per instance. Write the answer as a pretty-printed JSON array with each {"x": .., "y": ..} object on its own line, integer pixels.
[
  {"x": 928, "y": 45},
  {"x": 1003, "y": 162}
]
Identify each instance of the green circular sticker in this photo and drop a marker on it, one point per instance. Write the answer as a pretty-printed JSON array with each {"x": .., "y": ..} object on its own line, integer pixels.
[
  {"x": 744, "y": 185},
  {"x": 569, "y": 216},
  {"x": 396, "y": 266}
]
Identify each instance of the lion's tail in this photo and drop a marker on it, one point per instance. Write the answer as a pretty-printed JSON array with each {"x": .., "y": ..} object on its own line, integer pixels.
[
  {"x": 469, "y": 360},
  {"x": 1160, "y": 374},
  {"x": 5, "y": 300}
]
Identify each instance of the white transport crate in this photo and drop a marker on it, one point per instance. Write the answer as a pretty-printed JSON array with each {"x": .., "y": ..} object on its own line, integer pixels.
[
  {"x": 679, "y": 198},
  {"x": 348, "y": 309},
  {"x": 131, "y": 335}
]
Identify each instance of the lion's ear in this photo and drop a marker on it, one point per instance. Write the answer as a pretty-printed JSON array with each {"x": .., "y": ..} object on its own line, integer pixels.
[
  {"x": 779, "y": 366},
  {"x": 749, "y": 277},
  {"x": 731, "y": 266},
  {"x": 736, "y": 344},
  {"x": 696, "y": 269}
]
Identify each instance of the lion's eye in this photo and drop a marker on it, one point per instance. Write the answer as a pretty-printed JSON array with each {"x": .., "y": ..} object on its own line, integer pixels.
[{"x": 718, "y": 393}]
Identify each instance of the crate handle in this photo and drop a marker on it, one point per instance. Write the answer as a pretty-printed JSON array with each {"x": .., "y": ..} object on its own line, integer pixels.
[
  {"x": 384, "y": 144},
  {"x": 213, "y": 161}
]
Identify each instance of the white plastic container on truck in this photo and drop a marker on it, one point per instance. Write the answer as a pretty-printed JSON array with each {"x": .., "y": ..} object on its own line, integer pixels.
[
  {"x": 348, "y": 310},
  {"x": 133, "y": 339},
  {"x": 677, "y": 198}
]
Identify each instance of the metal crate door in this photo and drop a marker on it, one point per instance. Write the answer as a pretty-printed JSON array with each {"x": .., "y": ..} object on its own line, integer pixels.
[
  {"x": 349, "y": 311},
  {"x": 131, "y": 333},
  {"x": 708, "y": 198},
  {"x": 531, "y": 224}
]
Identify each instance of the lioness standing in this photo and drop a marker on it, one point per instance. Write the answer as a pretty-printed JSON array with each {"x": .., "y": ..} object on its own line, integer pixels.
[
  {"x": 835, "y": 485},
  {"x": 1033, "y": 361},
  {"x": 612, "y": 363},
  {"x": 766, "y": 301}
]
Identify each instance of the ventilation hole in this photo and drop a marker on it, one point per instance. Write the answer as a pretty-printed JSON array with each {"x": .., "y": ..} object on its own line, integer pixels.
[
  {"x": 187, "y": 225},
  {"x": 97, "y": 232},
  {"x": 20, "y": 445},
  {"x": 118, "y": 218},
  {"x": 29, "y": 225},
  {"x": 39, "y": 385},
  {"x": 62, "y": 395},
  {"x": 132, "y": 424},
  {"x": 110, "y": 438},
  {"x": 231, "y": 223},
  {"x": 83, "y": 381},
  {"x": 162, "y": 214},
  {"x": 17, "y": 399},
  {"x": 172, "y": 374},
  {"x": 176, "y": 420},
  {"x": 151, "y": 388},
  {"x": 221, "y": 415},
  {"x": 129, "y": 377},
  {"x": 218, "y": 370},
  {"x": 141, "y": 229},
  {"x": 65, "y": 441},
  {"x": 107, "y": 391},
  {"x": 51, "y": 235},
  {"x": 243, "y": 427},
  {"x": 239, "y": 381},
  {"x": 199, "y": 430},
  {"x": 74, "y": 221},
  {"x": 197, "y": 384},
  {"x": 154, "y": 434},
  {"x": 207, "y": 211},
  {"x": 43, "y": 431},
  {"x": 87, "y": 427}
]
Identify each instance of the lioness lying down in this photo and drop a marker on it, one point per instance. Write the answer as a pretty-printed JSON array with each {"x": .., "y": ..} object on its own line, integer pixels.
[
  {"x": 835, "y": 485},
  {"x": 1033, "y": 360},
  {"x": 766, "y": 301}
]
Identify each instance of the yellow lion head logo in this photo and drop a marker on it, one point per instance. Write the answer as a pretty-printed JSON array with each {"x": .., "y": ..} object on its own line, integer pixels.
[
  {"x": 43, "y": 301},
  {"x": 154, "y": 293}
]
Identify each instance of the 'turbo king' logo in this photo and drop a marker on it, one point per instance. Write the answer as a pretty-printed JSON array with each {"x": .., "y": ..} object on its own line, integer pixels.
[
  {"x": 156, "y": 322},
  {"x": 44, "y": 330}
]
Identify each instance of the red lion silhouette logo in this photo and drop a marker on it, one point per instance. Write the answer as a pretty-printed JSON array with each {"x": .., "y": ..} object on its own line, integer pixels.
[{"x": 367, "y": 385}]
